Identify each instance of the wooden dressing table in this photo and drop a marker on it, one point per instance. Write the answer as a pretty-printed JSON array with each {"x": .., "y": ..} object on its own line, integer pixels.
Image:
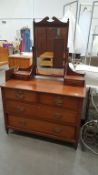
[
  {"x": 48, "y": 106},
  {"x": 43, "y": 107}
]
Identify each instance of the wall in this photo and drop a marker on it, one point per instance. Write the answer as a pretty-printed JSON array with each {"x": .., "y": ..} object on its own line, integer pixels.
[
  {"x": 16, "y": 14},
  {"x": 20, "y": 13},
  {"x": 49, "y": 8},
  {"x": 16, "y": 8}
]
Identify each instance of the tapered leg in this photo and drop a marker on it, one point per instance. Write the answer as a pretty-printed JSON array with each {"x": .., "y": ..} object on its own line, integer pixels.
[{"x": 7, "y": 130}]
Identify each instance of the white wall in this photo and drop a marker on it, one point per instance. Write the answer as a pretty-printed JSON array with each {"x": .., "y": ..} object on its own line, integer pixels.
[
  {"x": 13, "y": 10},
  {"x": 30, "y": 8},
  {"x": 49, "y": 8},
  {"x": 16, "y": 8},
  {"x": 16, "y": 13}
]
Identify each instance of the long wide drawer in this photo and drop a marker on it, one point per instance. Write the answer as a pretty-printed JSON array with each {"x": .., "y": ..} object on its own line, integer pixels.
[
  {"x": 40, "y": 111},
  {"x": 20, "y": 95},
  {"x": 60, "y": 101},
  {"x": 66, "y": 132}
]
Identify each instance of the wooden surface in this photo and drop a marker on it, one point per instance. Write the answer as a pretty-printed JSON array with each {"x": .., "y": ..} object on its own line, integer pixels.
[
  {"x": 20, "y": 60},
  {"x": 43, "y": 107},
  {"x": 47, "y": 85},
  {"x": 45, "y": 32},
  {"x": 46, "y": 38},
  {"x": 51, "y": 36},
  {"x": 3, "y": 56},
  {"x": 46, "y": 59},
  {"x": 59, "y": 49}
]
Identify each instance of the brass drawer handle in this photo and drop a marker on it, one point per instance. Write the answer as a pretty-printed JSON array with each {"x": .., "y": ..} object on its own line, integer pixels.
[
  {"x": 19, "y": 95},
  {"x": 59, "y": 101},
  {"x": 57, "y": 116},
  {"x": 20, "y": 109},
  {"x": 57, "y": 130}
]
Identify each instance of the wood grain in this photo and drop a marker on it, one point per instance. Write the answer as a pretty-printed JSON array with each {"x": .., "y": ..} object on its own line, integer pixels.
[{"x": 43, "y": 107}]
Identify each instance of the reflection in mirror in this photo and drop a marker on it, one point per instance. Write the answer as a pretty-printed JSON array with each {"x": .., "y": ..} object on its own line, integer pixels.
[{"x": 51, "y": 46}]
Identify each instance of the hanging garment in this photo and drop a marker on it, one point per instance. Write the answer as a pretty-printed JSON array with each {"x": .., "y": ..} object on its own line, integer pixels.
[
  {"x": 74, "y": 46},
  {"x": 22, "y": 43},
  {"x": 25, "y": 40}
]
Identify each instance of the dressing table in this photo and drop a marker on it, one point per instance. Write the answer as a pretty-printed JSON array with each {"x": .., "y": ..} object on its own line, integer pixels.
[{"x": 47, "y": 105}]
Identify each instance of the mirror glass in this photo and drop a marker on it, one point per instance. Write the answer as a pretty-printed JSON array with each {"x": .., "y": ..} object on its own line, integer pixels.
[{"x": 50, "y": 43}]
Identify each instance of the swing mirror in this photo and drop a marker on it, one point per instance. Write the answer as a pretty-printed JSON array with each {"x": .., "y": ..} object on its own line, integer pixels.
[{"x": 50, "y": 42}]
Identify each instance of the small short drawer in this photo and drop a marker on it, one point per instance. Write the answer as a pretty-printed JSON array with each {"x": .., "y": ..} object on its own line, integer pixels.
[
  {"x": 20, "y": 95},
  {"x": 60, "y": 101},
  {"x": 62, "y": 132}
]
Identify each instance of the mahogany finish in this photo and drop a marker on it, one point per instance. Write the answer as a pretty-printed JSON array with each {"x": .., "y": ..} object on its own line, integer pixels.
[
  {"x": 46, "y": 32},
  {"x": 59, "y": 53},
  {"x": 49, "y": 107},
  {"x": 43, "y": 107},
  {"x": 42, "y": 127},
  {"x": 3, "y": 56},
  {"x": 20, "y": 61},
  {"x": 48, "y": 36}
]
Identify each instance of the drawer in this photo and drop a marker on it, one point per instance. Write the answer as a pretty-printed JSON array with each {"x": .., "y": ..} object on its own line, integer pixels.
[
  {"x": 44, "y": 112},
  {"x": 20, "y": 108},
  {"x": 60, "y": 101},
  {"x": 20, "y": 95},
  {"x": 65, "y": 132}
]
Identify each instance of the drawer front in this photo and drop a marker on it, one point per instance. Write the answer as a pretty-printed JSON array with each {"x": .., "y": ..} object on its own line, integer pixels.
[
  {"x": 44, "y": 112},
  {"x": 60, "y": 101},
  {"x": 20, "y": 95},
  {"x": 66, "y": 132}
]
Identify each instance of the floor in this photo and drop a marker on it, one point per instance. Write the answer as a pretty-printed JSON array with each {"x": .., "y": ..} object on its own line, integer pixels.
[{"x": 23, "y": 155}]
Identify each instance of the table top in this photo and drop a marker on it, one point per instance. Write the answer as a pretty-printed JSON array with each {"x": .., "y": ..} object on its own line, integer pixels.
[
  {"x": 22, "y": 55},
  {"x": 46, "y": 85}
]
